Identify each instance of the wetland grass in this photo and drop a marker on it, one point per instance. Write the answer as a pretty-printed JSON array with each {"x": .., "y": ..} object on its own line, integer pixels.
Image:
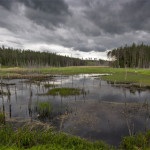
[
  {"x": 44, "y": 109},
  {"x": 57, "y": 70},
  {"x": 65, "y": 91},
  {"x": 25, "y": 138},
  {"x": 29, "y": 139},
  {"x": 133, "y": 78},
  {"x": 140, "y": 141},
  {"x": 32, "y": 139},
  {"x": 2, "y": 118},
  {"x": 124, "y": 75}
]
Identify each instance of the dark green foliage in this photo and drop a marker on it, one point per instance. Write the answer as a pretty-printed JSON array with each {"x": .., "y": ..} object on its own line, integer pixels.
[
  {"x": 65, "y": 91},
  {"x": 135, "y": 56},
  {"x": 32, "y": 58}
]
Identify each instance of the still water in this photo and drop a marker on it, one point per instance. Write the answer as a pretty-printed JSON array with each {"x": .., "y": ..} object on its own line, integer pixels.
[{"x": 104, "y": 112}]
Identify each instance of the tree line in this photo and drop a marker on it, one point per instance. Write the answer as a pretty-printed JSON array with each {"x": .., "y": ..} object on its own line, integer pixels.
[
  {"x": 18, "y": 57},
  {"x": 134, "y": 56}
]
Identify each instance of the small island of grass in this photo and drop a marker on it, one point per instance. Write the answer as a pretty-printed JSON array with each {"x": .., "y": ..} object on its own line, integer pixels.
[{"x": 65, "y": 91}]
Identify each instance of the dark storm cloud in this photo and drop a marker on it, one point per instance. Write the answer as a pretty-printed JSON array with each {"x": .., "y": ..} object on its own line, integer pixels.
[
  {"x": 43, "y": 12},
  {"x": 136, "y": 15},
  {"x": 79, "y": 25},
  {"x": 49, "y": 6},
  {"x": 117, "y": 16},
  {"x": 47, "y": 12},
  {"x": 6, "y": 3}
]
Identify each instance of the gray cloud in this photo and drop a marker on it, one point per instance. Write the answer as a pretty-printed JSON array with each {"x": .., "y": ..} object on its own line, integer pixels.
[
  {"x": 47, "y": 12},
  {"x": 81, "y": 26},
  {"x": 6, "y": 3},
  {"x": 118, "y": 16},
  {"x": 43, "y": 12}
]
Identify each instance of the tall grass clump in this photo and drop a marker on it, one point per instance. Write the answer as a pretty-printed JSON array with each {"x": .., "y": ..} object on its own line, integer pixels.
[
  {"x": 44, "y": 109},
  {"x": 6, "y": 135},
  {"x": 2, "y": 118}
]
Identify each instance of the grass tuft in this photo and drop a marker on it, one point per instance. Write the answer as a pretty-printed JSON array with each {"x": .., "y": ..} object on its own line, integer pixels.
[
  {"x": 44, "y": 109},
  {"x": 2, "y": 118}
]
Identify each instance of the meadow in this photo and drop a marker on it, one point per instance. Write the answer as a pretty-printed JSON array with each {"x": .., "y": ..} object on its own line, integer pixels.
[{"x": 118, "y": 75}]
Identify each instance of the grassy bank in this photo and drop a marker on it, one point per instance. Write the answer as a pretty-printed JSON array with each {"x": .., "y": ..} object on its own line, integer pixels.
[
  {"x": 24, "y": 138},
  {"x": 17, "y": 72},
  {"x": 138, "y": 76},
  {"x": 57, "y": 70}
]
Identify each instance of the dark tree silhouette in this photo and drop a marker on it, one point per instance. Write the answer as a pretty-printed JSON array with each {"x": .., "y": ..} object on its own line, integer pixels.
[{"x": 134, "y": 56}]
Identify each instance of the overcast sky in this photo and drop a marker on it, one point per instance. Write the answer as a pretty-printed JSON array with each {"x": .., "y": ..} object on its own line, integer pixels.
[{"x": 77, "y": 28}]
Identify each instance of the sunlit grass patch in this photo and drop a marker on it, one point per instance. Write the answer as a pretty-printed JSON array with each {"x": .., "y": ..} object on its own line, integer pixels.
[
  {"x": 129, "y": 77},
  {"x": 133, "y": 75}
]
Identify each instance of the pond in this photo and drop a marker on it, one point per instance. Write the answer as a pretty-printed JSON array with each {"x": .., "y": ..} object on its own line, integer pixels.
[{"x": 103, "y": 111}]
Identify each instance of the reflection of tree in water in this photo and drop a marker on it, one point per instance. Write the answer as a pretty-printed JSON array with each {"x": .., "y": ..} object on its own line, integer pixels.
[{"x": 30, "y": 102}]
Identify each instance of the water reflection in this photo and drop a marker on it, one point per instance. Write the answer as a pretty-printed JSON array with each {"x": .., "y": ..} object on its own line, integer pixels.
[{"x": 103, "y": 112}]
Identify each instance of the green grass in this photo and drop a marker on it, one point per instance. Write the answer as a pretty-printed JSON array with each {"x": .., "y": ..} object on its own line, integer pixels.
[
  {"x": 44, "y": 109},
  {"x": 24, "y": 138},
  {"x": 140, "y": 141},
  {"x": 2, "y": 118},
  {"x": 65, "y": 91},
  {"x": 130, "y": 77},
  {"x": 55, "y": 70},
  {"x": 69, "y": 70},
  {"x": 139, "y": 76}
]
